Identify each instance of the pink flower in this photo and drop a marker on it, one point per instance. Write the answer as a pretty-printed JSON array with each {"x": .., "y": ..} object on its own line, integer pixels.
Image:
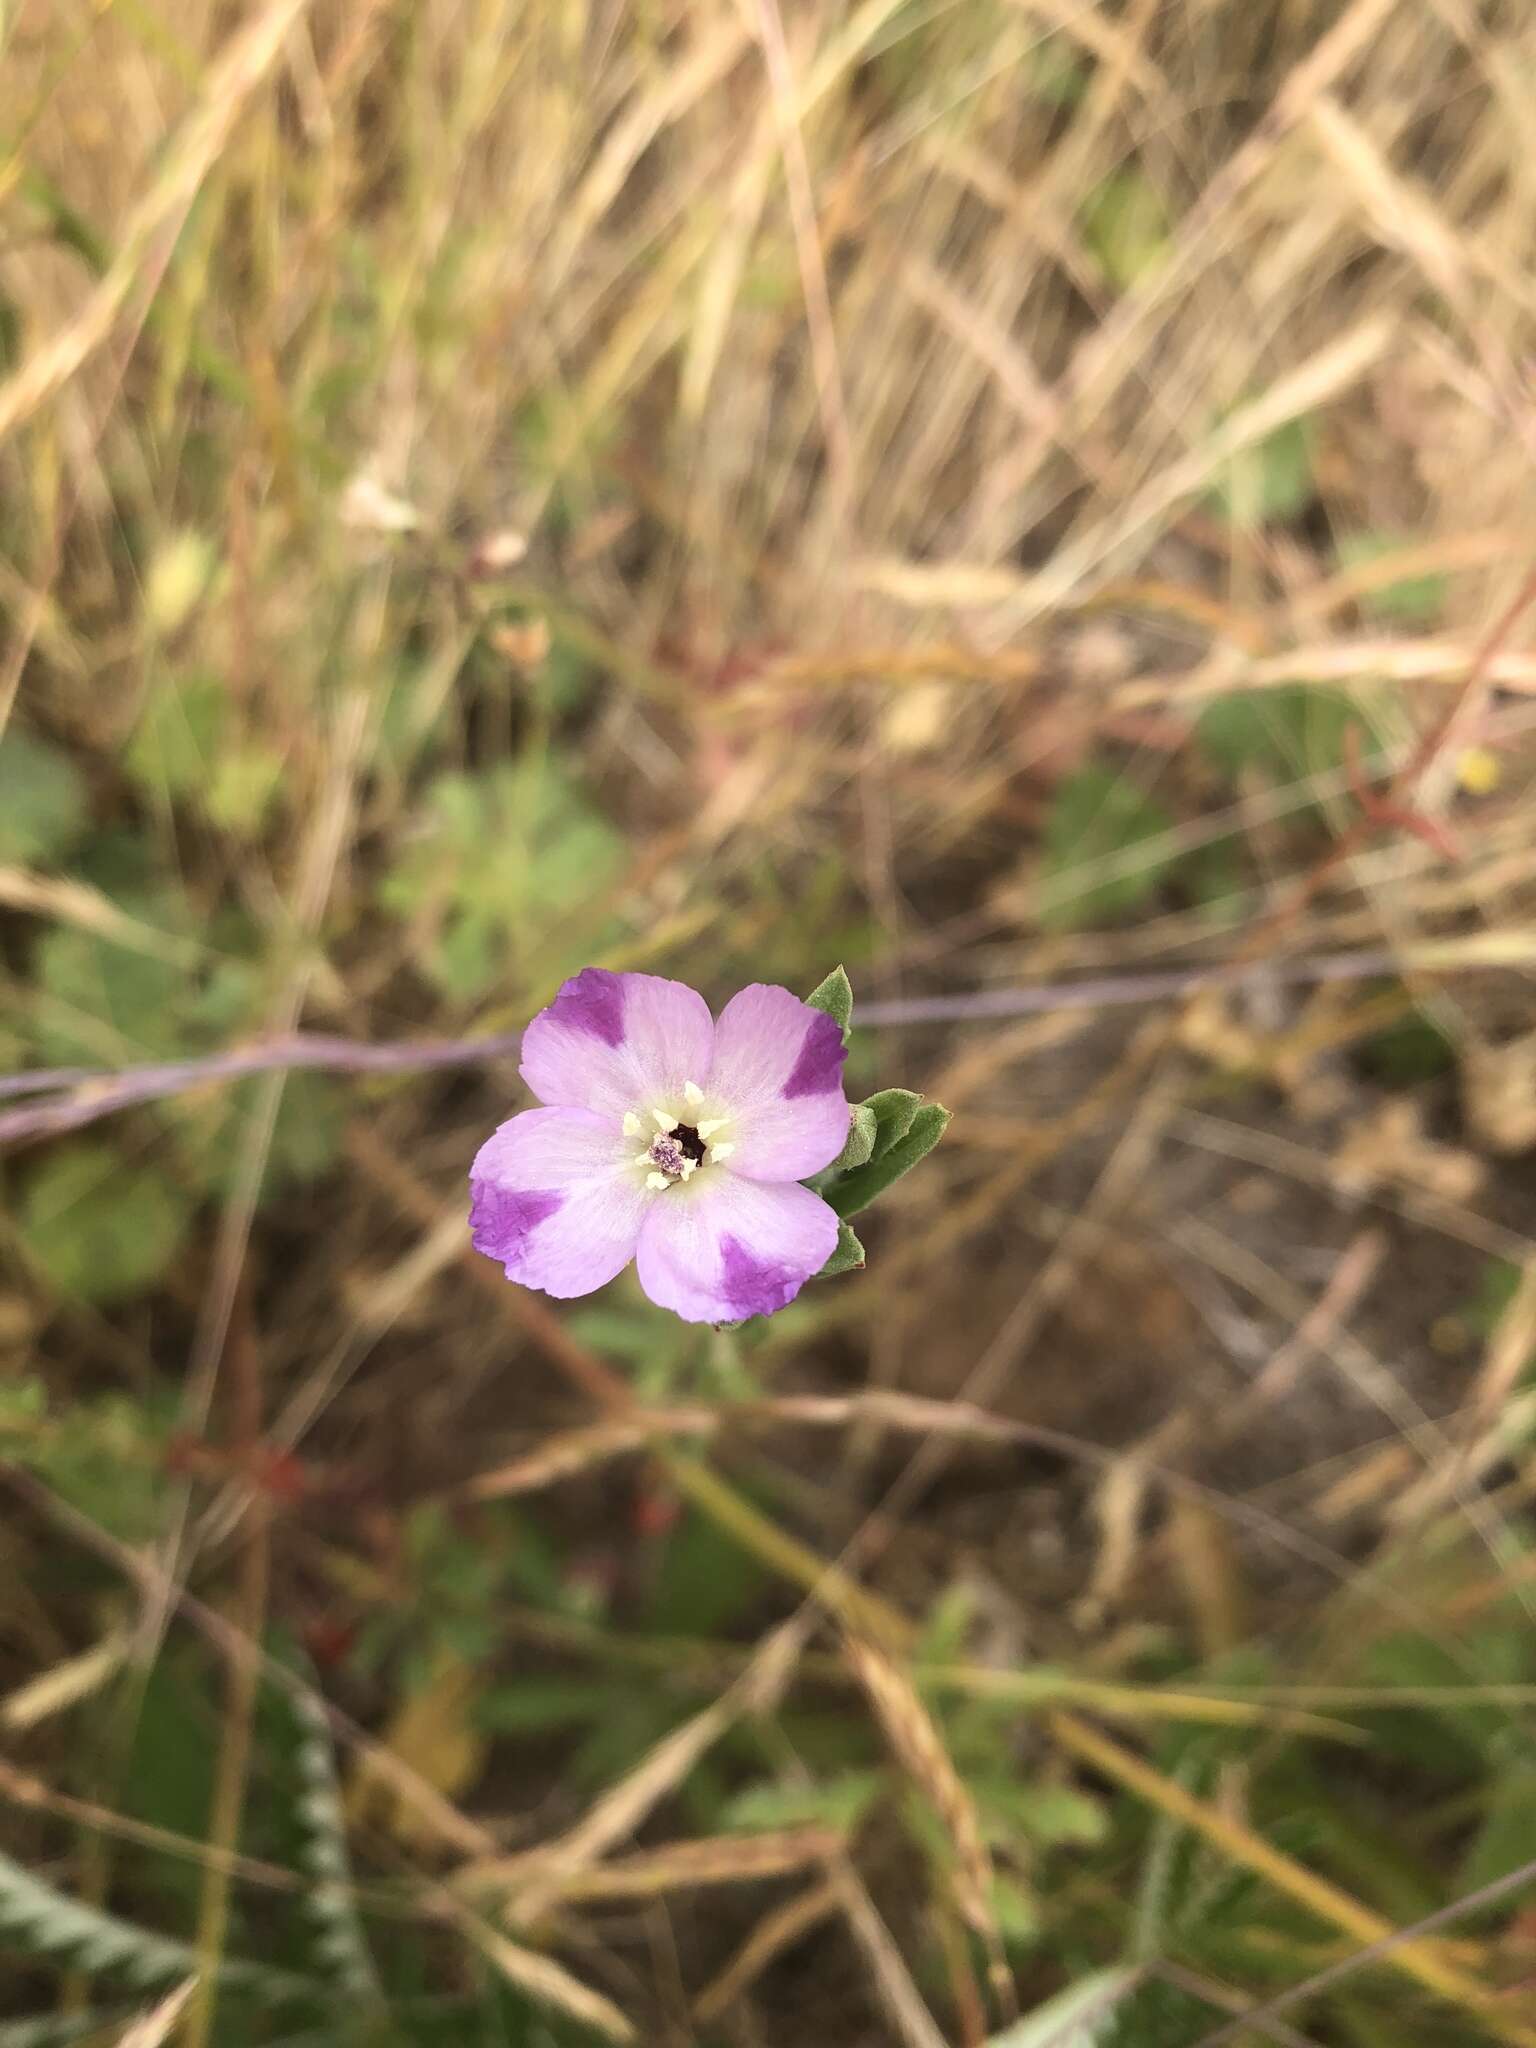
[{"x": 671, "y": 1139}]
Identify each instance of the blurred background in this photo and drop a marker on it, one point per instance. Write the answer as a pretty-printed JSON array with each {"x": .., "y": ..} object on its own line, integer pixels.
[{"x": 1031, "y": 500}]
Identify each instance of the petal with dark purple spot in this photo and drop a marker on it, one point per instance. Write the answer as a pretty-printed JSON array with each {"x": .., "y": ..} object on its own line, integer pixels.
[
  {"x": 721, "y": 1247},
  {"x": 777, "y": 1076},
  {"x": 617, "y": 1042},
  {"x": 557, "y": 1201}
]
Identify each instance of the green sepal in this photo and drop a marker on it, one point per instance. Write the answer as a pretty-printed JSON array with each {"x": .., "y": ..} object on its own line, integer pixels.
[
  {"x": 860, "y": 1148},
  {"x": 856, "y": 1190},
  {"x": 835, "y": 996},
  {"x": 893, "y": 1110},
  {"x": 847, "y": 1258}
]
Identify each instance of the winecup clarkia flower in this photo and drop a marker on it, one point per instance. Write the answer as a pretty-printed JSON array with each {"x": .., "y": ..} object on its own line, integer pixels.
[{"x": 671, "y": 1138}]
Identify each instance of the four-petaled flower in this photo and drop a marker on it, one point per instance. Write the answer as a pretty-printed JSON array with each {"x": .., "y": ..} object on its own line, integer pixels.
[{"x": 671, "y": 1139}]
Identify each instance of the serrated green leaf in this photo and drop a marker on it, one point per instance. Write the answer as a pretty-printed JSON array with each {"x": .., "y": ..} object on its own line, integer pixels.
[
  {"x": 101, "y": 1230},
  {"x": 42, "y": 799},
  {"x": 40, "y": 1921},
  {"x": 835, "y": 996},
  {"x": 1098, "y": 861},
  {"x": 855, "y": 1191},
  {"x": 848, "y": 1256},
  {"x": 893, "y": 1109},
  {"x": 862, "y": 1132},
  {"x": 504, "y": 858},
  {"x": 338, "y": 1942}
]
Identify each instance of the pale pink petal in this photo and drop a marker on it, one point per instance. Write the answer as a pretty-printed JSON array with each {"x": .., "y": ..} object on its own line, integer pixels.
[
  {"x": 557, "y": 1200},
  {"x": 778, "y": 1076},
  {"x": 617, "y": 1042},
  {"x": 720, "y": 1248}
]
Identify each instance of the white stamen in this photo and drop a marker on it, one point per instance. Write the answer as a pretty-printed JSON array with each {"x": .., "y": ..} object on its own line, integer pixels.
[
  {"x": 690, "y": 1168},
  {"x": 657, "y": 1180},
  {"x": 631, "y": 1124},
  {"x": 644, "y": 1159},
  {"x": 693, "y": 1094},
  {"x": 721, "y": 1151},
  {"x": 708, "y": 1128},
  {"x": 663, "y": 1121}
]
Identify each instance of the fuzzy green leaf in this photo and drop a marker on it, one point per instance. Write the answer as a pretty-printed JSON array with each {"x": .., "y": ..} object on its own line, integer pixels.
[
  {"x": 847, "y": 1258},
  {"x": 42, "y": 799},
  {"x": 860, "y": 1147},
  {"x": 893, "y": 1110},
  {"x": 835, "y": 996},
  {"x": 1106, "y": 850},
  {"x": 867, "y": 1183},
  {"x": 99, "y": 1229}
]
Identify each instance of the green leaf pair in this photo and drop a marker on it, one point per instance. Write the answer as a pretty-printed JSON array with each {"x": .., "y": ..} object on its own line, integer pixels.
[{"x": 887, "y": 1136}]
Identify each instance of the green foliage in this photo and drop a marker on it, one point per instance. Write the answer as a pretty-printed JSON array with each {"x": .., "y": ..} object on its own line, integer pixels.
[
  {"x": 855, "y": 1191},
  {"x": 94, "y": 1238},
  {"x": 180, "y": 735},
  {"x": 1410, "y": 1050},
  {"x": 339, "y": 1947},
  {"x": 863, "y": 1129},
  {"x": 306, "y": 1133},
  {"x": 102, "y": 1001},
  {"x": 1287, "y": 733},
  {"x": 839, "y": 1802},
  {"x": 1269, "y": 482},
  {"x": 1125, "y": 227},
  {"x": 1102, "y": 857},
  {"x": 40, "y": 1921},
  {"x": 835, "y": 996},
  {"x": 1409, "y": 600},
  {"x": 42, "y": 799},
  {"x": 1079, "y": 2017},
  {"x": 893, "y": 1110},
  {"x": 505, "y": 859},
  {"x": 105, "y": 1455},
  {"x": 848, "y": 1257}
]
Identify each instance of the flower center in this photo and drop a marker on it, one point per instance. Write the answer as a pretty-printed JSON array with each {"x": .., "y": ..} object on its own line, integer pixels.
[{"x": 678, "y": 1150}]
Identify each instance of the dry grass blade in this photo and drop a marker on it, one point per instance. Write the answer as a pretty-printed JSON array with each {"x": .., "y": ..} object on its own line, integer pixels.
[
  {"x": 714, "y": 1860},
  {"x": 579, "y": 1450},
  {"x": 773, "y": 1934},
  {"x": 892, "y": 1979},
  {"x": 910, "y": 1730},
  {"x": 234, "y": 76},
  {"x": 543, "y": 1875},
  {"x": 155, "y": 2027},
  {"x": 1424, "y": 1961},
  {"x": 51, "y": 1692},
  {"x": 551, "y": 1985}
]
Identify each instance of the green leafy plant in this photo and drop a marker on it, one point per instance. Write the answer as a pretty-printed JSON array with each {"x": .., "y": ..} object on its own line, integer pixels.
[{"x": 1103, "y": 854}]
